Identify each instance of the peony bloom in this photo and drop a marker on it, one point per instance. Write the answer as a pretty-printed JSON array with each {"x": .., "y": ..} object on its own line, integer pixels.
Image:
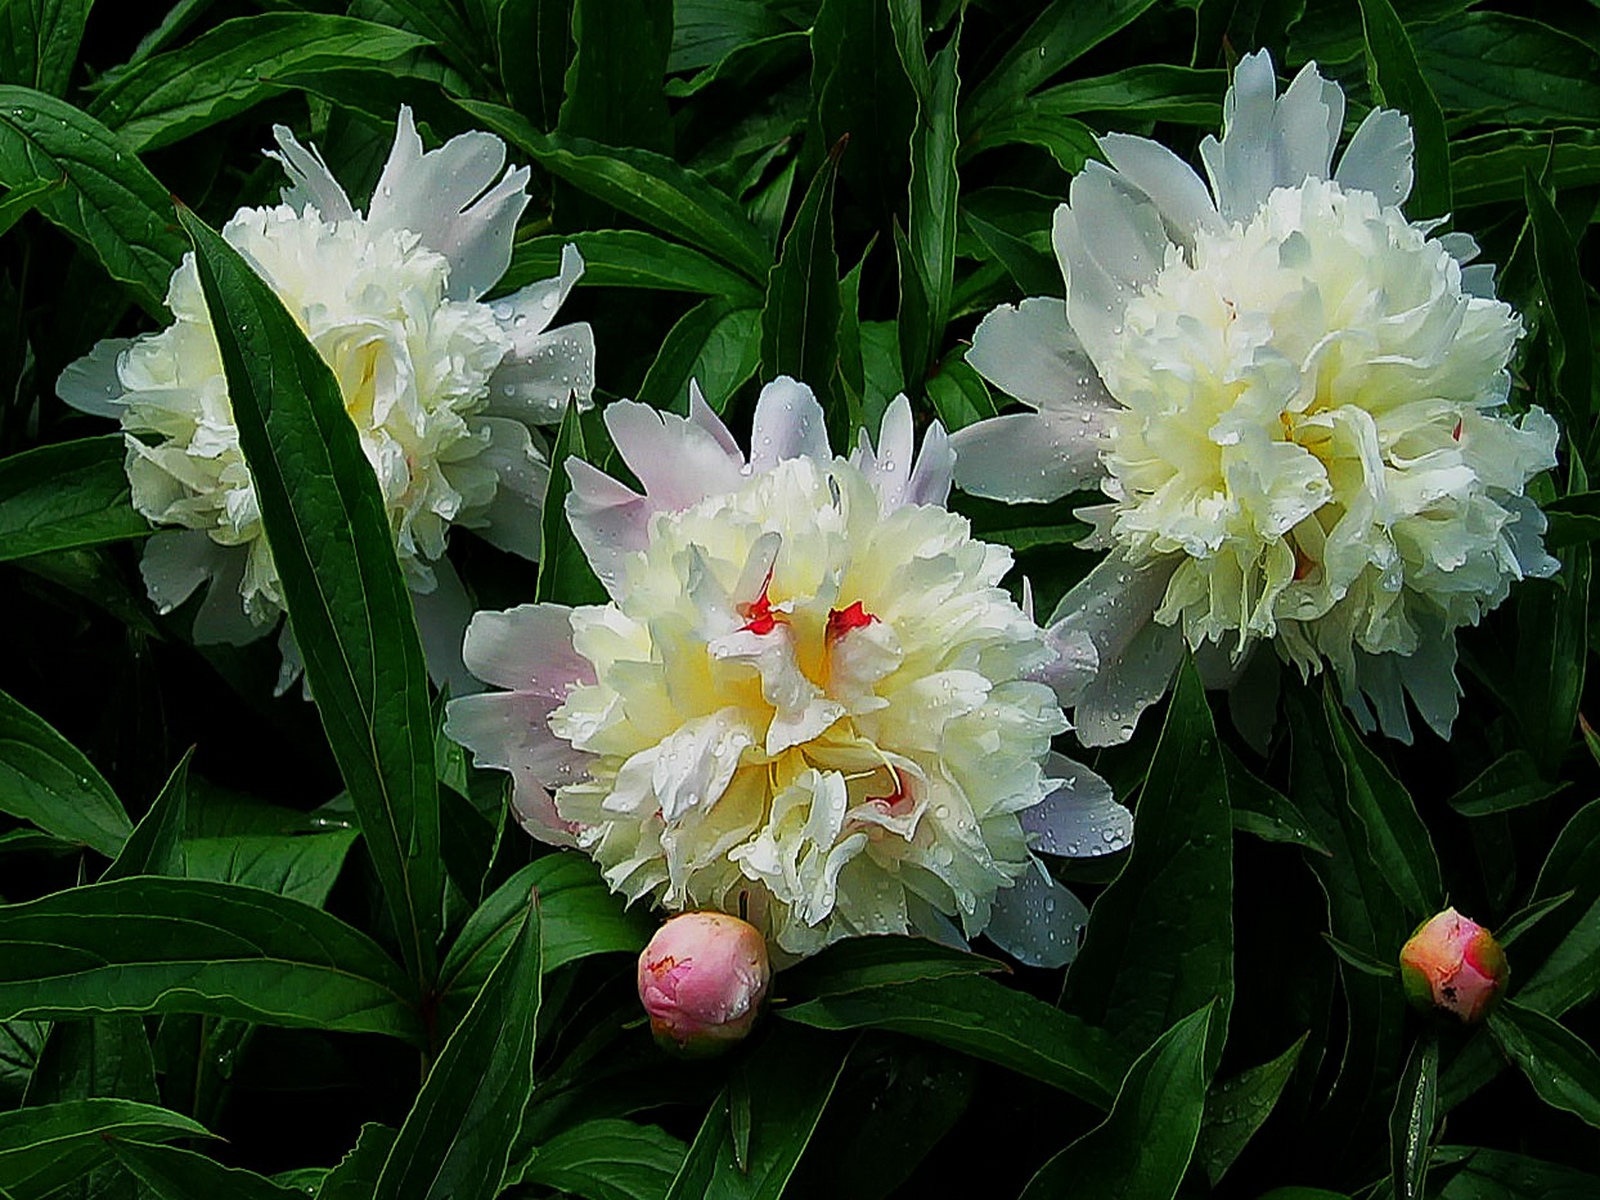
[
  {"x": 701, "y": 980},
  {"x": 442, "y": 387},
  {"x": 809, "y": 701},
  {"x": 1452, "y": 964},
  {"x": 1294, "y": 399}
]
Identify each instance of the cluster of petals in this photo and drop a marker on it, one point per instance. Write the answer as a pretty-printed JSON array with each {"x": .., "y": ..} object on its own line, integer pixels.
[
  {"x": 443, "y": 388},
  {"x": 808, "y": 701},
  {"x": 1294, "y": 400}
]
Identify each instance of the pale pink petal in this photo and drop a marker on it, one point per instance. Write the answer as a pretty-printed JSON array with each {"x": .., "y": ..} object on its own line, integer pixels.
[
  {"x": 935, "y": 470},
  {"x": 1080, "y": 818},
  {"x": 788, "y": 424},
  {"x": 700, "y": 413},
  {"x": 677, "y": 460},
  {"x": 609, "y": 520},
  {"x": 528, "y": 648},
  {"x": 536, "y": 811}
]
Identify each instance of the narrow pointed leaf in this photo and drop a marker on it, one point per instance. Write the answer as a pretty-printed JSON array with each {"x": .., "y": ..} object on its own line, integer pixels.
[
  {"x": 564, "y": 570},
  {"x": 66, "y": 495},
  {"x": 156, "y": 845},
  {"x": 175, "y": 1174},
  {"x": 1398, "y": 82},
  {"x": 348, "y": 604},
  {"x": 1416, "y": 1108},
  {"x": 46, "y": 781},
  {"x": 1143, "y": 1148},
  {"x": 182, "y": 945},
  {"x": 1561, "y": 1066},
  {"x": 110, "y": 203},
  {"x": 1160, "y": 938},
  {"x": 800, "y": 323},
  {"x": 42, "y": 1149},
  {"x": 457, "y": 1138}
]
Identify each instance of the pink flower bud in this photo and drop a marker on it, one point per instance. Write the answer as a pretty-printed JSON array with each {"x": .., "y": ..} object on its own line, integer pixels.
[
  {"x": 1452, "y": 963},
  {"x": 701, "y": 979}
]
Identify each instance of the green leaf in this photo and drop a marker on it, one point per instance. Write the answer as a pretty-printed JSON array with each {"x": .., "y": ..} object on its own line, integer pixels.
[
  {"x": 931, "y": 221},
  {"x": 1550, "y": 658},
  {"x": 717, "y": 344},
  {"x": 1151, "y": 91},
  {"x": 1396, "y": 80},
  {"x": 303, "y": 867},
  {"x": 1486, "y": 1174},
  {"x": 986, "y": 1020},
  {"x": 102, "y": 1056},
  {"x": 607, "y": 1158},
  {"x": 42, "y": 1149},
  {"x": 564, "y": 570},
  {"x": 613, "y": 87},
  {"x": 1527, "y": 917},
  {"x": 1059, "y": 36},
  {"x": 66, "y": 495},
  {"x": 1416, "y": 1109},
  {"x": 1396, "y": 837},
  {"x": 629, "y": 258},
  {"x": 23, "y": 200},
  {"x": 175, "y": 1174},
  {"x": 1567, "y": 301},
  {"x": 1140, "y": 1151},
  {"x": 1070, "y": 142},
  {"x": 1489, "y": 169},
  {"x": 533, "y": 42},
  {"x": 1237, "y": 1107},
  {"x": 960, "y": 398},
  {"x": 581, "y": 918},
  {"x": 1560, "y": 1065},
  {"x": 47, "y": 782},
  {"x": 1263, "y": 811},
  {"x": 787, "y": 1081},
  {"x": 39, "y": 42},
  {"x": 155, "y": 847},
  {"x": 444, "y": 26},
  {"x": 1574, "y": 519},
  {"x": 356, "y": 1174},
  {"x": 863, "y": 963},
  {"x": 800, "y": 323},
  {"x": 1160, "y": 938},
  {"x": 233, "y": 67},
  {"x": 1511, "y": 782},
  {"x": 1516, "y": 68},
  {"x": 110, "y": 204},
  {"x": 348, "y": 604},
  {"x": 1034, "y": 271},
  {"x": 649, "y": 187},
  {"x": 458, "y": 1135},
  {"x": 181, "y": 945}
]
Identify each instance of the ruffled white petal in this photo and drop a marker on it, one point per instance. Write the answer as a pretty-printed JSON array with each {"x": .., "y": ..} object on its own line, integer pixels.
[
  {"x": 527, "y": 648},
  {"x": 513, "y": 520},
  {"x": 1120, "y": 227},
  {"x": 451, "y": 199},
  {"x": 537, "y": 379},
  {"x": 1177, "y": 192},
  {"x": 1095, "y": 301},
  {"x": 1030, "y": 351},
  {"x": 1378, "y": 158},
  {"x": 310, "y": 181},
  {"x": 1025, "y": 457},
  {"x": 90, "y": 384}
]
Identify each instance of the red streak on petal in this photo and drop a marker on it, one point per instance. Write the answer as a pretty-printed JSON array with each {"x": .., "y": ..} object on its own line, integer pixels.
[
  {"x": 842, "y": 620},
  {"x": 899, "y": 802},
  {"x": 762, "y": 620},
  {"x": 1456, "y": 432}
]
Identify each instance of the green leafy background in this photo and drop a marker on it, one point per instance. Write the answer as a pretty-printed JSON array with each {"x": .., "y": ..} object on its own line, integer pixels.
[{"x": 253, "y": 949}]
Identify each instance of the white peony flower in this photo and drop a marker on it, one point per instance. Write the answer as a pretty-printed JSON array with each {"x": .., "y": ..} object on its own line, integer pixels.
[
  {"x": 442, "y": 387},
  {"x": 808, "y": 702},
  {"x": 1294, "y": 398}
]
